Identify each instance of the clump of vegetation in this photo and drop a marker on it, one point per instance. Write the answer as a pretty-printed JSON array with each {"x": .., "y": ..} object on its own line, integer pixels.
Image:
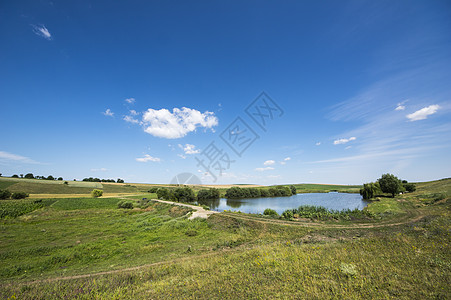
[
  {"x": 370, "y": 190},
  {"x": 208, "y": 194},
  {"x": 19, "y": 195},
  {"x": 322, "y": 213},
  {"x": 153, "y": 189},
  {"x": 270, "y": 212},
  {"x": 96, "y": 193},
  {"x": 277, "y": 191},
  {"x": 125, "y": 204},
  {"x": 349, "y": 270},
  {"x": 5, "y": 194}
]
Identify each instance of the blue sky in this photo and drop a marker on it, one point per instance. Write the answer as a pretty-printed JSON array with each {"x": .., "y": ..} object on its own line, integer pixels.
[{"x": 144, "y": 90}]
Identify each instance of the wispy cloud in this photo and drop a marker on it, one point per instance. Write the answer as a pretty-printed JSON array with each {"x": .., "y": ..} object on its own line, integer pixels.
[
  {"x": 108, "y": 113},
  {"x": 178, "y": 123},
  {"x": 269, "y": 162},
  {"x": 10, "y": 157},
  {"x": 264, "y": 169},
  {"x": 318, "y": 143},
  {"x": 400, "y": 107},
  {"x": 284, "y": 162},
  {"x": 189, "y": 149},
  {"x": 423, "y": 113},
  {"x": 344, "y": 141},
  {"x": 42, "y": 31},
  {"x": 99, "y": 170},
  {"x": 130, "y": 119},
  {"x": 148, "y": 158},
  {"x": 130, "y": 100}
]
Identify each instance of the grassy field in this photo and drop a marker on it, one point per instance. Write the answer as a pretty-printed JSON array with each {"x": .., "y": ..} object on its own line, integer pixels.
[{"x": 85, "y": 248}]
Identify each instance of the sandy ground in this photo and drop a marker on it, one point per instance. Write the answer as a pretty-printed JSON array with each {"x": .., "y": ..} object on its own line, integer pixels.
[{"x": 199, "y": 212}]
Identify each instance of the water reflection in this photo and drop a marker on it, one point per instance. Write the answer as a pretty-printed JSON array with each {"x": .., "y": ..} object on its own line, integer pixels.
[{"x": 336, "y": 201}]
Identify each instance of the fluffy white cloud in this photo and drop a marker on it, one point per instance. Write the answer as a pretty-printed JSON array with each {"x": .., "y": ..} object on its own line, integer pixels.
[
  {"x": 108, "y": 113},
  {"x": 318, "y": 143},
  {"x": 189, "y": 149},
  {"x": 133, "y": 112},
  {"x": 344, "y": 141},
  {"x": 42, "y": 32},
  {"x": 264, "y": 169},
  {"x": 147, "y": 158},
  {"x": 287, "y": 158},
  {"x": 176, "y": 124},
  {"x": 130, "y": 100},
  {"x": 130, "y": 119},
  {"x": 423, "y": 113},
  {"x": 269, "y": 162}
]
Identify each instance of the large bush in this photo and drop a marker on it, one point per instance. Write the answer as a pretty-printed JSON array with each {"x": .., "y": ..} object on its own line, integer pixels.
[
  {"x": 19, "y": 195},
  {"x": 389, "y": 183},
  {"x": 125, "y": 204},
  {"x": 5, "y": 194},
  {"x": 270, "y": 212},
  {"x": 96, "y": 193}
]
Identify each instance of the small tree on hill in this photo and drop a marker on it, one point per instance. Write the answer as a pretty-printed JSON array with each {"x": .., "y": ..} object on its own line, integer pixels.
[
  {"x": 369, "y": 190},
  {"x": 389, "y": 183},
  {"x": 15, "y": 176},
  {"x": 29, "y": 176}
]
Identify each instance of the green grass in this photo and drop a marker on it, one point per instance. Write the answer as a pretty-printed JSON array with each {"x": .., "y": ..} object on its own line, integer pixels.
[{"x": 226, "y": 257}]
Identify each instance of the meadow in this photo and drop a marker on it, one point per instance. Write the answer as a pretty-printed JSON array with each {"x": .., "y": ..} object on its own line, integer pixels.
[{"x": 87, "y": 248}]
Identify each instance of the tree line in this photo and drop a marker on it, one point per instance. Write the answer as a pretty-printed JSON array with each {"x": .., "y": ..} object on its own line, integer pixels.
[
  {"x": 277, "y": 191},
  {"x": 185, "y": 194},
  {"x": 388, "y": 183},
  {"x": 50, "y": 177},
  {"x": 90, "y": 179}
]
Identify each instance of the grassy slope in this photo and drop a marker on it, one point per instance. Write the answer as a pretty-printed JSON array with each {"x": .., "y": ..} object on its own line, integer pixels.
[{"x": 261, "y": 260}]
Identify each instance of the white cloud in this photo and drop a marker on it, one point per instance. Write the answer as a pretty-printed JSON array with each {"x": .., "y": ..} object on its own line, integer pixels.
[
  {"x": 189, "y": 149},
  {"x": 133, "y": 112},
  {"x": 147, "y": 158},
  {"x": 264, "y": 169},
  {"x": 287, "y": 158},
  {"x": 42, "y": 32},
  {"x": 423, "y": 113},
  {"x": 400, "y": 107},
  {"x": 130, "y": 119},
  {"x": 130, "y": 100},
  {"x": 16, "y": 158},
  {"x": 269, "y": 162},
  {"x": 108, "y": 113},
  {"x": 99, "y": 170},
  {"x": 344, "y": 141},
  {"x": 181, "y": 156},
  {"x": 318, "y": 143},
  {"x": 162, "y": 123}
]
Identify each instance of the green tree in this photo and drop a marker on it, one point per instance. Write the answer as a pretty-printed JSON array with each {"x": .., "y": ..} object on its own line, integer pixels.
[
  {"x": 60, "y": 178},
  {"x": 389, "y": 183},
  {"x": 15, "y": 176},
  {"x": 50, "y": 177},
  {"x": 29, "y": 176},
  {"x": 184, "y": 194},
  {"x": 369, "y": 190},
  {"x": 293, "y": 189},
  {"x": 19, "y": 195},
  {"x": 270, "y": 212},
  {"x": 410, "y": 187},
  {"x": 120, "y": 180}
]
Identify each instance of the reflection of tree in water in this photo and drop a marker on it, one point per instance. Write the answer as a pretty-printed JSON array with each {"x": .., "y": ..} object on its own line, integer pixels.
[
  {"x": 235, "y": 203},
  {"x": 212, "y": 203}
]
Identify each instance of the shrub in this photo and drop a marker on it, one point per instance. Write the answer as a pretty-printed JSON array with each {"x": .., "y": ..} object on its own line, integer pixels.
[
  {"x": 410, "y": 187},
  {"x": 96, "y": 193},
  {"x": 5, "y": 194},
  {"x": 184, "y": 194},
  {"x": 125, "y": 204},
  {"x": 270, "y": 212},
  {"x": 288, "y": 214},
  {"x": 19, "y": 195},
  {"x": 153, "y": 189}
]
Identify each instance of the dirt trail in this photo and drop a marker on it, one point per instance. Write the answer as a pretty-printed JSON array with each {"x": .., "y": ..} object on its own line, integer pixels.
[{"x": 199, "y": 212}]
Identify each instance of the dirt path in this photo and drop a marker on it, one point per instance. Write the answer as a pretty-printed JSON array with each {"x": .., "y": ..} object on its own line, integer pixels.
[{"x": 199, "y": 212}]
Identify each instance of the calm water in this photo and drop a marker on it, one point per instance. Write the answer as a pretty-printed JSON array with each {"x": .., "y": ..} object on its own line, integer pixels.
[{"x": 336, "y": 201}]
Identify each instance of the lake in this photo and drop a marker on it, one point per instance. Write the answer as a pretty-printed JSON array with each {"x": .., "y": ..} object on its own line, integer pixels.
[{"x": 336, "y": 201}]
